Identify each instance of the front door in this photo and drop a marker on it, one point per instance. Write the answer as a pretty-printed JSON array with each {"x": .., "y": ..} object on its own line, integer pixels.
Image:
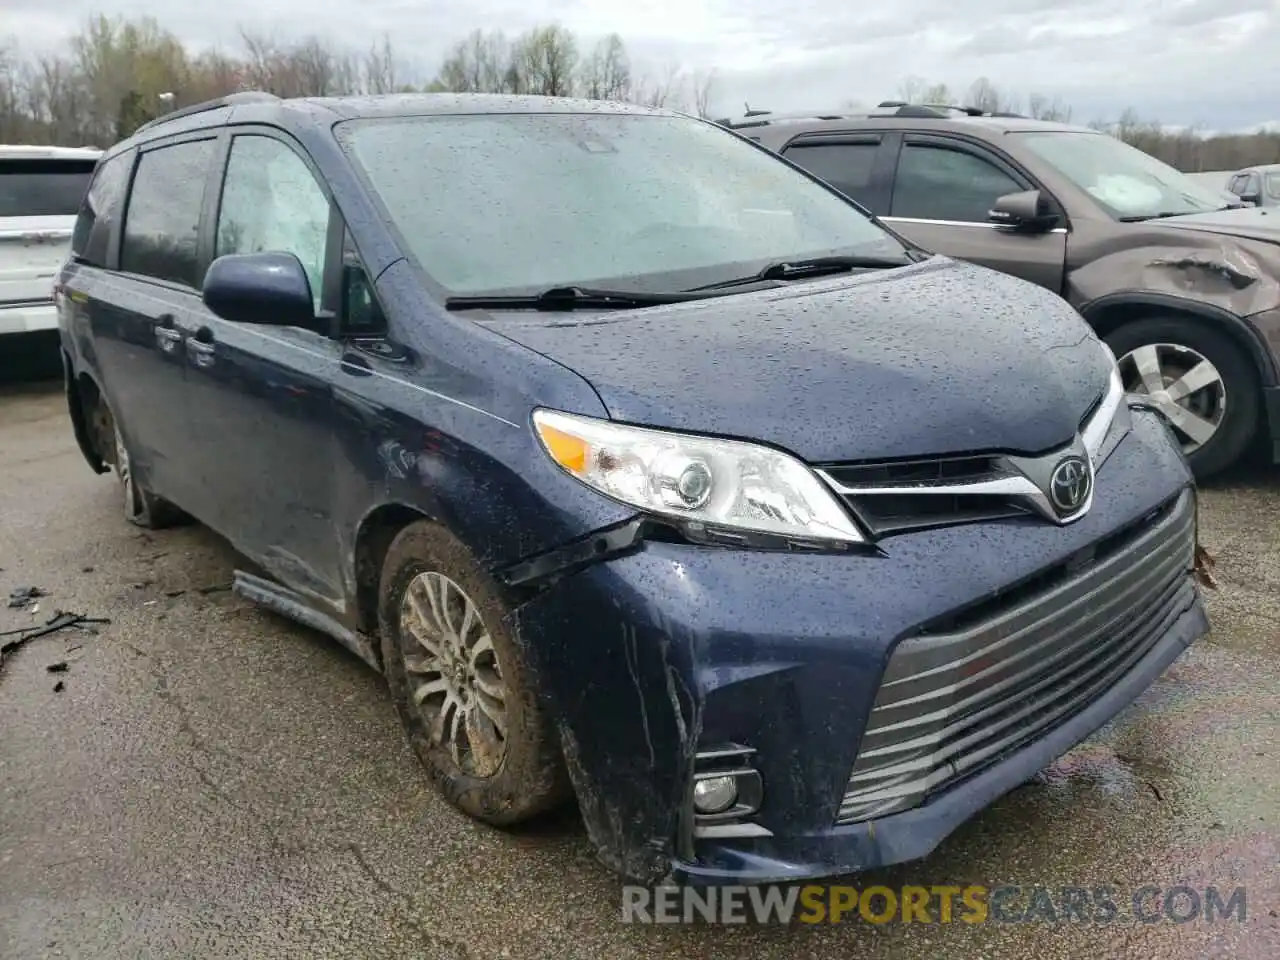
[
  {"x": 943, "y": 188},
  {"x": 261, "y": 395}
]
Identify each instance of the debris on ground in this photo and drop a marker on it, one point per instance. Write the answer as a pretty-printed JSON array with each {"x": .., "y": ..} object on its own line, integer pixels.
[
  {"x": 1205, "y": 564},
  {"x": 59, "y": 687},
  {"x": 59, "y": 621},
  {"x": 59, "y": 667},
  {"x": 24, "y": 596}
]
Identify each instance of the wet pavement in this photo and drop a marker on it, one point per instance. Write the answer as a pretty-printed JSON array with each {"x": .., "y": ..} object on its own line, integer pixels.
[{"x": 213, "y": 781}]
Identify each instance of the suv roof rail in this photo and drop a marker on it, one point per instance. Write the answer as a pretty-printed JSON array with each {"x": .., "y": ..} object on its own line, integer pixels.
[
  {"x": 904, "y": 109},
  {"x": 762, "y": 118},
  {"x": 886, "y": 108},
  {"x": 230, "y": 100}
]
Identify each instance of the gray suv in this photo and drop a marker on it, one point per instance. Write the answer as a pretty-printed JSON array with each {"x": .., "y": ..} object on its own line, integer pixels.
[
  {"x": 1259, "y": 186},
  {"x": 1182, "y": 284}
]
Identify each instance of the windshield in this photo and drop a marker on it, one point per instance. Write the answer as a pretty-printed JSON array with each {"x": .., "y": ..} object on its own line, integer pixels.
[
  {"x": 518, "y": 203},
  {"x": 1123, "y": 179}
]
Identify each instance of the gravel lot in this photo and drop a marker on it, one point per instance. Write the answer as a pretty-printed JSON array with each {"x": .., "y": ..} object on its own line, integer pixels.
[{"x": 214, "y": 781}]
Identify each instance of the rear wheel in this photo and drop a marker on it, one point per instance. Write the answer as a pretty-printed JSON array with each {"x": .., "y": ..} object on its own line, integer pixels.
[
  {"x": 464, "y": 693},
  {"x": 141, "y": 507},
  {"x": 1204, "y": 384}
]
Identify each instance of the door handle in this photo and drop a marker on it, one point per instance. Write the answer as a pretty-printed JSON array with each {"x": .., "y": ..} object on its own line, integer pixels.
[
  {"x": 167, "y": 336},
  {"x": 200, "y": 348}
]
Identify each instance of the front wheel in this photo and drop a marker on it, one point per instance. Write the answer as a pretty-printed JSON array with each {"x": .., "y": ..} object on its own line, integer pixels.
[
  {"x": 463, "y": 690},
  {"x": 1203, "y": 384}
]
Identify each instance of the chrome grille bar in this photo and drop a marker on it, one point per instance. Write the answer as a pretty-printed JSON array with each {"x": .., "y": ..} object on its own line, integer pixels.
[{"x": 950, "y": 702}]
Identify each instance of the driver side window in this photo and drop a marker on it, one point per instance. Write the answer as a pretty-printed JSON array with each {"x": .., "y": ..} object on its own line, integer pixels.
[{"x": 272, "y": 203}]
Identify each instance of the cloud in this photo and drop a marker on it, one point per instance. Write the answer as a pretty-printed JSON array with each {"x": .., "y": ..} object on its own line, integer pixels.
[{"x": 1208, "y": 62}]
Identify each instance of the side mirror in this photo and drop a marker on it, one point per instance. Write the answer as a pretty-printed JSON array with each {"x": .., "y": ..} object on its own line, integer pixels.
[
  {"x": 1253, "y": 199},
  {"x": 1026, "y": 209},
  {"x": 266, "y": 288}
]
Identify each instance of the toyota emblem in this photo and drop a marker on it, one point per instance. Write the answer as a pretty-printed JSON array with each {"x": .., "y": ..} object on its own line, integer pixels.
[{"x": 1070, "y": 484}]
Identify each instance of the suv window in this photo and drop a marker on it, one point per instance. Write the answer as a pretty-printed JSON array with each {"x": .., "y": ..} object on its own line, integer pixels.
[
  {"x": 100, "y": 209},
  {"x": 846, "y": 166},
  {"x": 1273, "y": 185},
  {"x": 272, "y": 203},
  {"x": 944, "y": 183},
  {"x": 43, "y": 186},
  {"x": 162, "y": 219}
]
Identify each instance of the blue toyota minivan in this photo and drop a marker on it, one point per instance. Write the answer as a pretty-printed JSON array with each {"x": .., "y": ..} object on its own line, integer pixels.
[{"x": 649, "y": 470}]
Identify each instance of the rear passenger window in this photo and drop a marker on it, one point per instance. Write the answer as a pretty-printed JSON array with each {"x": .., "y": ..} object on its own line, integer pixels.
[
  {"x": 940, "y": 183},
  {"x": 162, "y": 221},
  {"x": 100, "y": 209},
  {"x": 42, "y": 186},
  {"x": 846, "y": 166}
]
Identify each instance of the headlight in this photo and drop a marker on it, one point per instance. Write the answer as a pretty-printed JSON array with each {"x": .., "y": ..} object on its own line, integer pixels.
[
  {"x": 701, "y": 481},
  {"x": 1110, "y": 423}
]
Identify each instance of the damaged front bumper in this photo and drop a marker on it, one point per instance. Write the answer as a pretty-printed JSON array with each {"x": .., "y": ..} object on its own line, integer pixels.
[{"x": 799, "y": 671}]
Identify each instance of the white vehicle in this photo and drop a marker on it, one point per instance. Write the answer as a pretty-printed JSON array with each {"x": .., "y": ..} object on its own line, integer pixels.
[{"x": 40, "y": 193}]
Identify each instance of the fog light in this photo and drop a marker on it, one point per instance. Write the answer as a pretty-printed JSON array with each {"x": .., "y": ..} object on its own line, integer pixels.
[{"x": 714, "y": 794}]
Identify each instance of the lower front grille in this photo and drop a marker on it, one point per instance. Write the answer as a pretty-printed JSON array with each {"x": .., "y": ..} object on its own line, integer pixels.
[{"x": 952, "y": 703}]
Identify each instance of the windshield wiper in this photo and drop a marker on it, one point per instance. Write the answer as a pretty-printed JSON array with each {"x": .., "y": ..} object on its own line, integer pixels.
[
  {"x": 1160, "y": 216},
  {"x": 813, "y": 267},
  {"x": 568, "y": 298}
]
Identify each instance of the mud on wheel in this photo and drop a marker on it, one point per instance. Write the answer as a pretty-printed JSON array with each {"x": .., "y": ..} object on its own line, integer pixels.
[{"x": 464, "y": 693}]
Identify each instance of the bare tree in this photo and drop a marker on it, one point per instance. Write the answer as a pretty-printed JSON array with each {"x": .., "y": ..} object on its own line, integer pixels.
[
  {"x": 478, "y": 64},
  {"x": 661, "y": 90},
  {"x": 606, "y": 71},
  {"x": 547, "y": 58},
  {"x": 984, "y": 95},
  {"x": 1041, "y": 107},
  {"x": 703, "y": 84}
]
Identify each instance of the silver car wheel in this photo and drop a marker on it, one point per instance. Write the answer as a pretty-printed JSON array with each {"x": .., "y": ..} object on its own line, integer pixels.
[
  {"x": 1182, "y": 384},
  {"x": 454, "y": 676}
]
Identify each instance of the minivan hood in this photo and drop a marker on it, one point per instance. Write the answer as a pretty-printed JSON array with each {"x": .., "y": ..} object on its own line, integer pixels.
[
  {"x": 1254, "y": 223},
  {"x": 938, "y": 358}
]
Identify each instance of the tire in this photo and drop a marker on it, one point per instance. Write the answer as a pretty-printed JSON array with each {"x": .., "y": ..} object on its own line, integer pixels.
[
  {"x": 141, "y": 507},
  {"x": 498, "y": 779},
  {"x": 1237, "y": 411}
]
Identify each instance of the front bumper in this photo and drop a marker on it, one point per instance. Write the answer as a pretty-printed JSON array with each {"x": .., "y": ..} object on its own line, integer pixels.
[
  {"x": 649, "y": 658},
  {"x": 28, "y": 318}
]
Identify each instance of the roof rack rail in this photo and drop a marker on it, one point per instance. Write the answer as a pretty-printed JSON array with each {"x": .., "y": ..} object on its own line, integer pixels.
[
  {"x": 886, "y": 108},
  {"x": 762, "y": 118},
  {"x": 230, "y": 100},
  {"x": 905, "y": 109}
]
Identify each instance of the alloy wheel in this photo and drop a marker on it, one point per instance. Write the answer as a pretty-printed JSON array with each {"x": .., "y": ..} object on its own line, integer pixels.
[
  {"x": 455, "y": 680},
  {"x": 1182, "y": 384}
]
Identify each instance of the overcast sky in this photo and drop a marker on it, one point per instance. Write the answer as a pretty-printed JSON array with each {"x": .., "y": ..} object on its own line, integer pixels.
[{"x": 1212, "y": 62}]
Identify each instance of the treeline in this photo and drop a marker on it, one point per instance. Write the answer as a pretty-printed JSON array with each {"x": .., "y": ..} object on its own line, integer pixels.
[{"x": 116, "y": 74}]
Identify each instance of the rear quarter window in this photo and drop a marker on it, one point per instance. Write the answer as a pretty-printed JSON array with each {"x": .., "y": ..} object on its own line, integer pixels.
[
  {"x": 100, "y": 210},
  {"x": 43, "y": 186}
]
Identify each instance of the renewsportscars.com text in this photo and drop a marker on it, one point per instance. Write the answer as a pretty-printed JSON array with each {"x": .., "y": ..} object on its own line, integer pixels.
[{"x": 939, "y": 904}]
